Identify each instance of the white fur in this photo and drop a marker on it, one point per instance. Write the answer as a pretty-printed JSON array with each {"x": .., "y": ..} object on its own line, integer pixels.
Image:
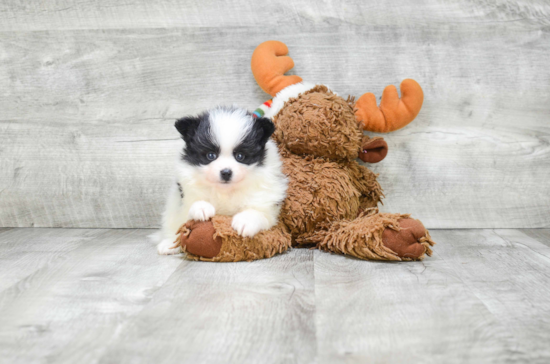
[
  {"x": 253, "y": 197},
  {"x": 249, "y": 222},
  {"x": 284, "y": 95},
  {"x": 166, "y": 247},
  {"x": 228, "y": 127},
  {"x": 201, "y": 211}
]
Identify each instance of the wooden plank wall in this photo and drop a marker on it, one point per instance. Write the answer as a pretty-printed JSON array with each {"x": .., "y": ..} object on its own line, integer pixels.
[{"x": 89, "y": 92}]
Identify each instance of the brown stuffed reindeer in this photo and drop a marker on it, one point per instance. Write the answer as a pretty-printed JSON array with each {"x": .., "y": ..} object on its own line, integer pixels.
[{"x": 331, "y": 199}]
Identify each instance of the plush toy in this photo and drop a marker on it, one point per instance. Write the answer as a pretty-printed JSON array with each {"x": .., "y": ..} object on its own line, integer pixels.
[{"x": 331, "y": 199}]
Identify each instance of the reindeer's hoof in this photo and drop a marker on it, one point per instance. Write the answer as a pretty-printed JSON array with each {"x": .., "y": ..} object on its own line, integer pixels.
[
  {"x": 411, "y": 242},
  {"x": 199, "y": 240}
]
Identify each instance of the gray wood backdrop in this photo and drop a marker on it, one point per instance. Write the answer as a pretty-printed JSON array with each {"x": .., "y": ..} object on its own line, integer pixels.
[{"x": 89, "y": 92}]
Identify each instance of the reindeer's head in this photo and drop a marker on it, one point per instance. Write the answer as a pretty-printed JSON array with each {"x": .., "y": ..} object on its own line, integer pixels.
[{"x": 320, "y": 123}]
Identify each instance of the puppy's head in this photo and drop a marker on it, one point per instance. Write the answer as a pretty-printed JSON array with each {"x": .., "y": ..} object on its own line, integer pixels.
[{"x": 225, "y": 144}]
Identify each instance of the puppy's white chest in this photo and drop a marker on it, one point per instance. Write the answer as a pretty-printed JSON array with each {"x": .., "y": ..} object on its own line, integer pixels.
[{"x": 230, "y": 204}]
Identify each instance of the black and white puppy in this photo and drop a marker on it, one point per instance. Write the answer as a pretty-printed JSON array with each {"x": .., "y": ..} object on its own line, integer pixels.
[{"x": 229, "y": 166}]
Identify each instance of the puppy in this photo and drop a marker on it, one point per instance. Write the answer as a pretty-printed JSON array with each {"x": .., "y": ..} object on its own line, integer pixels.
[{"x": 228, "y": 166}]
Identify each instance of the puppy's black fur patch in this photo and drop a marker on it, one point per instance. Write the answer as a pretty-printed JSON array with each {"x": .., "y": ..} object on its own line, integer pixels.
[
  {"x": 195, "y": 131},
  {"x": 181, "y": 189},
  {"x": 253, "y": 144}
]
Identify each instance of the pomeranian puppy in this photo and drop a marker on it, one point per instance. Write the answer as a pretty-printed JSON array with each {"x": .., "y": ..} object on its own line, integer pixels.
[{"x": 229, "y": 166}]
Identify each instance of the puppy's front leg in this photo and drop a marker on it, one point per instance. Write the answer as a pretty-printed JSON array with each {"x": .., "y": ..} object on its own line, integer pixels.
[
  {"x": 172, "y": 218},
  {"x": 201, "y": 211},
  {"x": 250, "y": 222},
  {"x": 166, "y": 247}
]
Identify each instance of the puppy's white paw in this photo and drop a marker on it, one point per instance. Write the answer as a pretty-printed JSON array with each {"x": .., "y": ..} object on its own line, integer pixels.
[
  {"x": 249, "y": 222},
  {"x": 166, "y": 247},
  {"x": 201, "y": 211}
]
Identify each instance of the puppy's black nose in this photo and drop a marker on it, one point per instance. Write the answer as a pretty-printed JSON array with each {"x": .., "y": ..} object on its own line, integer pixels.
[{"x": 225, "y": 174}]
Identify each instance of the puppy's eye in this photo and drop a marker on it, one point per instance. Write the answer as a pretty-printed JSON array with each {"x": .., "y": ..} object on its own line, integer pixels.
[
  {"x": 239, "y": 157},
  {"x": 211, "y": 156}
]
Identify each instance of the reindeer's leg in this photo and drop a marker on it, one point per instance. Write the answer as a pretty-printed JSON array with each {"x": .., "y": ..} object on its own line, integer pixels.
[
  {"x": 215, "y": 240},
  {"x": 376, "y": 236}
]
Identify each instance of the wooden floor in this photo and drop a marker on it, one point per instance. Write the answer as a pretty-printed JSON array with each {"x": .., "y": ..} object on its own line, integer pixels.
[{"x": 105, "y": 296}]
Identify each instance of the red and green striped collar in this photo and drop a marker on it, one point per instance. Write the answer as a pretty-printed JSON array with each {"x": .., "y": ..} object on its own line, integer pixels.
[{"x": 259, "y": 112}]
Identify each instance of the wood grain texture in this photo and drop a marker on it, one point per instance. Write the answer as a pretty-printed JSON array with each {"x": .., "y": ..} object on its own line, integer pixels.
[
  {"x": 113, "y": 14},
  {"x": 258, "y": 312},
  {"x": 64, "y": 292},
  {"x": 87, "y": 110},
  {"x": 541, "y": 235},
  {"x": 508, "y": 277},
  {"x": 74, "y": 303},
  {"x": 480, "y": 299},
  {"x": 105, "y": 296},
  {"x": 36, "y": 249}
]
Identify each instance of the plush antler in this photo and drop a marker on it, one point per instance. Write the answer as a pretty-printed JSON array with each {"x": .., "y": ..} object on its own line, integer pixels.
[
  {"x": 269, "y": 64},
  {"x": 394, "y": 113}
]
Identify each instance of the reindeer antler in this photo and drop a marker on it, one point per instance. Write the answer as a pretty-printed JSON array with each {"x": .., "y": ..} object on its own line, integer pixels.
[
  {"x": 269, "y": 64},
  {"x": 394, "y": 113}
]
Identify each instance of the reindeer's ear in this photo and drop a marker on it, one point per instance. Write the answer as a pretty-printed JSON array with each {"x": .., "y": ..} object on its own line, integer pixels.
[{"x": 373, "y": 150}]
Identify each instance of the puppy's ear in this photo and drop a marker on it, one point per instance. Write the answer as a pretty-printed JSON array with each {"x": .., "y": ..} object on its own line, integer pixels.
[
  {"x": 265, "y": 128},
  {"x": 187, "y": 126}
]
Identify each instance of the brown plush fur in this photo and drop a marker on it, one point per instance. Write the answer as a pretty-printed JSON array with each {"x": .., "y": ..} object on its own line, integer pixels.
[
  {"x": 322, "y": 190},
  {"x": 265, "y": 244},
  {"x": 319, "y": 123},
  {"x": 342, "y": 236},
  {"x": 331, "y": 199}
]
